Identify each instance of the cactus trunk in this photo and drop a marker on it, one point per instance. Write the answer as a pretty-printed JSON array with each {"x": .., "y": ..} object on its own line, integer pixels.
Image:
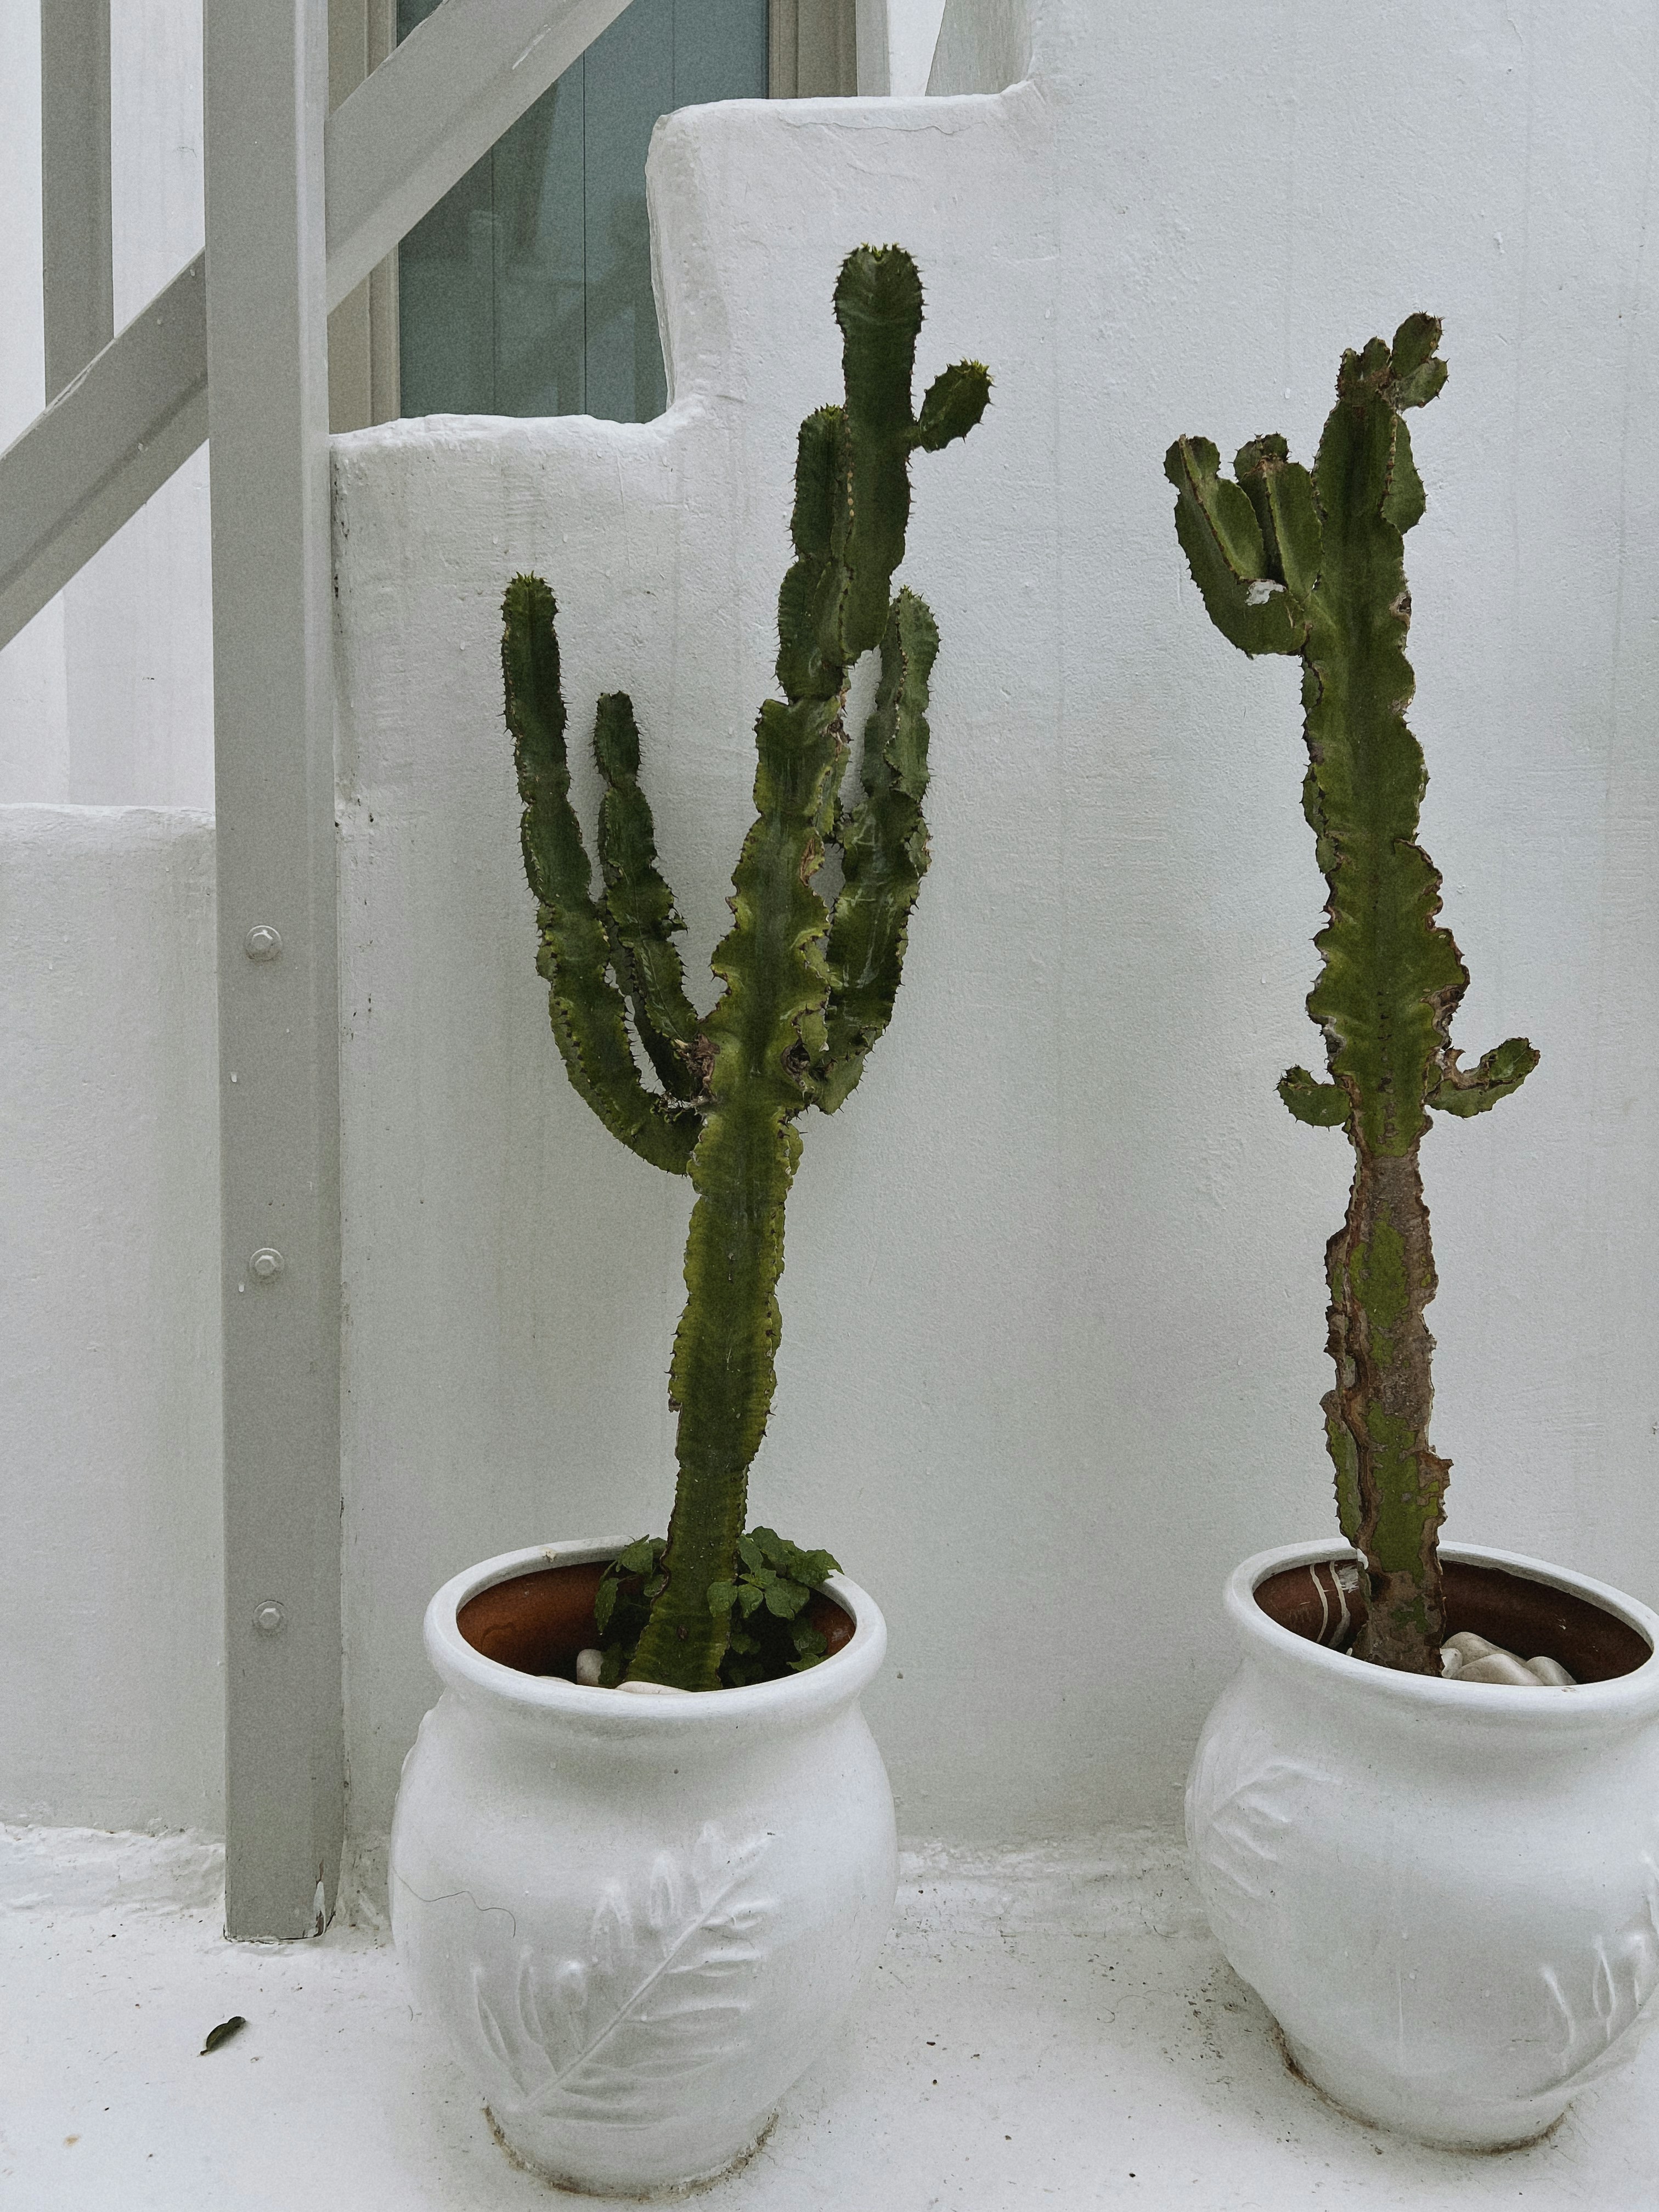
[
  {"x": 722, "y": 1380},
  {"x": 724, "y": 1372},
  {"x": 1380, "y": 1264}
]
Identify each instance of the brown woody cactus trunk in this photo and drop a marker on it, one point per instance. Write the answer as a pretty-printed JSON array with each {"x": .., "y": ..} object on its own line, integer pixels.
[{"x": 1390, "y": 1483}]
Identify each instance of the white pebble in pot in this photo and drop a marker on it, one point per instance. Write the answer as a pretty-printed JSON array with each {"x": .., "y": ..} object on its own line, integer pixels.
[
  {"x": 1467, "y": 1645},
  {"x": 1499, "y": 1667},
  {"x": 1467, "y": 1658}
]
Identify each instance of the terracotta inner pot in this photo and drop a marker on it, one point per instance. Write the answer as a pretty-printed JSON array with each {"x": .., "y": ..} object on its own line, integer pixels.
[
  {"x": 536, "y": 1622},
  {"x": 1526, "y": 1618}
]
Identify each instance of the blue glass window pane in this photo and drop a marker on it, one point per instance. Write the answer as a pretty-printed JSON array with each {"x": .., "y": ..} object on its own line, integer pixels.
[{"x": 527, "y": 289}]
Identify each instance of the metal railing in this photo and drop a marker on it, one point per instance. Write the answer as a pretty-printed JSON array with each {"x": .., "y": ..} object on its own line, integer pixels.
[{"x": 301, "y": 206}]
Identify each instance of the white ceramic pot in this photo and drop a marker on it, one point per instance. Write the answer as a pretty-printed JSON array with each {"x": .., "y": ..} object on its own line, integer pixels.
[
  {"x": 1447, "y": 1894},
  {"x": 639, "y": 1917}
]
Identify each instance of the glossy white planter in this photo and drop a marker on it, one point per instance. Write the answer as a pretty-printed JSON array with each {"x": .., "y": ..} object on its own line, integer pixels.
[
  {"x": 1447, "y": 1894},
  {"x": 638, "y": 1918}
]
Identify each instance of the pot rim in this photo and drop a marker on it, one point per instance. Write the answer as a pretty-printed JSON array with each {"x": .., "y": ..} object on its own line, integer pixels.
[
  {"x": 1623, "y": 1697},
  {"x": 835, "y": 1681}
]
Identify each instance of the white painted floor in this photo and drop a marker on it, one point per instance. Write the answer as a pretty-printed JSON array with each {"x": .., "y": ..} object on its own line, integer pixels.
[{"x": 1044, "y": 2028}]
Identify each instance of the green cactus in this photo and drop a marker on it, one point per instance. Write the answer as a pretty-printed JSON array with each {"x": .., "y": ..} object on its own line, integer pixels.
[
  {"x": 1313, "y": 565},
  {"x": 807, "y": 990}
]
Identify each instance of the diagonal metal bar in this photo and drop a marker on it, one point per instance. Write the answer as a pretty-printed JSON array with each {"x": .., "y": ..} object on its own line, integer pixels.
[
  {"x": 107, "y": 441},
  {"x": 437, "y": 104}
]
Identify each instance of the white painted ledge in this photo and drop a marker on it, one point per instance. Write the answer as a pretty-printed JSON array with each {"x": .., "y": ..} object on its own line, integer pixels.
[
  {"x": 47, "y": 1871},
  {"x": 1044, "y": 2028}
]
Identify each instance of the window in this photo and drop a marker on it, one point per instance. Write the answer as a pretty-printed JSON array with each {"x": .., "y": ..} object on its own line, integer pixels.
[{"x": 527, "y": 289}]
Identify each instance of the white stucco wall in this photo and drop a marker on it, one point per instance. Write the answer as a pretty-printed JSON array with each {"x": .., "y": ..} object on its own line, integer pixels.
[
  {"x": 111, "y": 1628},
  {"x": 111, "y": 1633},
  {"x": 1052, "y": 1307}
]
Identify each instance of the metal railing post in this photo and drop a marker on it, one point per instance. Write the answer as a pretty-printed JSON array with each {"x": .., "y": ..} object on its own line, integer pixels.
[{"x": 266, "y": 91}]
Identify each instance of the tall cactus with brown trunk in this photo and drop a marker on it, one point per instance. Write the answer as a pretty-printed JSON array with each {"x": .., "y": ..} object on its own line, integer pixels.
[
  {"x": 1312, "y": 564},
  {"x": 807, "y": 988}
]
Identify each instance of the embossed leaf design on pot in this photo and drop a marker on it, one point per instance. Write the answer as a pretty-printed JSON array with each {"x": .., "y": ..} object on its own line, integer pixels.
[
  {"x": 1243, "y": 1808},
  {"x": 659, "y": 1997},
  {"x": 1596, "y": 2000}
]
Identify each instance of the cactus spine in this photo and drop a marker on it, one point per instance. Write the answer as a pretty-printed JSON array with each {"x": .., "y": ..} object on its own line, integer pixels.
[
  {"x": 1313, "y": 565},
  {"x": 806, "y": 990}
]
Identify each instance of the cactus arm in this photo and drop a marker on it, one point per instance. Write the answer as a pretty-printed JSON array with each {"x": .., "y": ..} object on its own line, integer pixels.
[
  {"x": 810, "y": 665},
  {"x": 1494, "y": 1076},
  {"x": 884, "y": 842},
  {"x": 1417, "y": 372},
  {"x": 852, "y": 474},
  {"x": 638, "y": 906},
  {"x": 1281, "y": 494},
  {"x": 1321, "y": 1105},
  {"x": 878, "y": 307},
  {"x": 724, "y": 1372},
  {"x": 1221, "y": 536},
  {"x": 955, "y": 401},
  {"x": 575, "y": 956}
]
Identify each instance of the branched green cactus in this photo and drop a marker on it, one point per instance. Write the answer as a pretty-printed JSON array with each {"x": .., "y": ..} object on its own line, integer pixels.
[
  {"x": 806, "y": 990},
  {"x": 1313, "y": 565}
]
